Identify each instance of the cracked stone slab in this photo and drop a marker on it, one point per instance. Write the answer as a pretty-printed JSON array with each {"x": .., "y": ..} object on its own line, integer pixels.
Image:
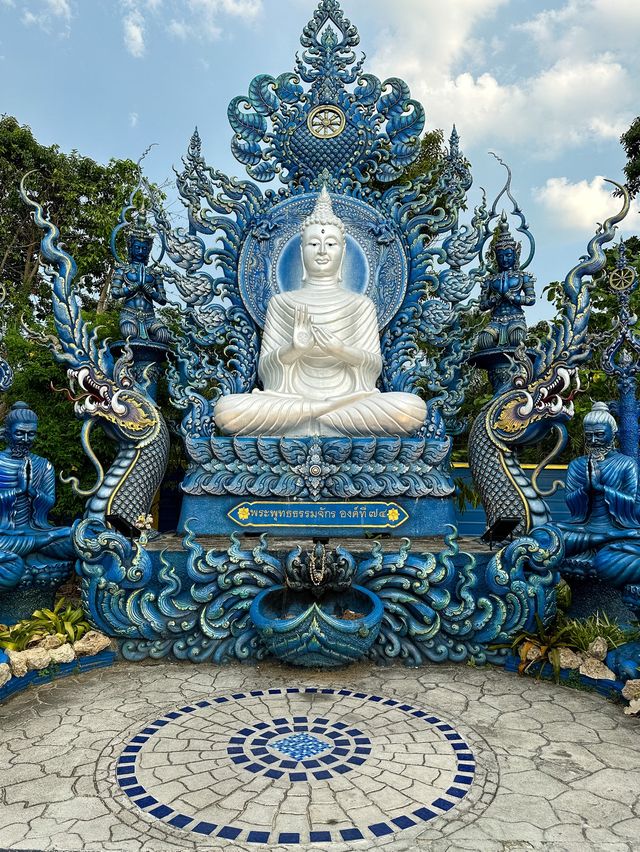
[{"x": 74, "y": 753}]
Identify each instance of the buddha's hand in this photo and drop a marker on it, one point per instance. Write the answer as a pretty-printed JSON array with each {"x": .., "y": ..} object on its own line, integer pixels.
[
  {"x": 329, "y": 343},
  {"x": 303, "y": 333}
]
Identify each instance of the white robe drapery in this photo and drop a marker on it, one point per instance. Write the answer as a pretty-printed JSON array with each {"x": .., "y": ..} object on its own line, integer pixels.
[{"x": 320, "y": 394}]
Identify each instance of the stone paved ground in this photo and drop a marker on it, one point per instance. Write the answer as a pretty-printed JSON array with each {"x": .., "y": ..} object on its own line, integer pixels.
[{"x": 162, "y": 757}]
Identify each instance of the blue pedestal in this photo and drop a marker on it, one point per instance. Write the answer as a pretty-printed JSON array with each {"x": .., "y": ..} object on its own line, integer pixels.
[{"x": 213, "y": 515}]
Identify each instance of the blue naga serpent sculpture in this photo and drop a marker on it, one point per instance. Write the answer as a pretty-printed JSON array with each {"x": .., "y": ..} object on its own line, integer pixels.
[
  {"x": 103, "y": 391},
  {"x": 538, "y": 399}
]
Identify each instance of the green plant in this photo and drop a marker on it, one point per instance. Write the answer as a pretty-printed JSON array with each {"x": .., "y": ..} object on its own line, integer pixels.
[
  {"x": 65, "y": 621},
  {"x": 582, "y": 632},
  {"x": 52, "y": 670},
  {"x": 543, "y": 646},
  {"x": 563, "y": 595},
  {"x": 465, "y": 493}
]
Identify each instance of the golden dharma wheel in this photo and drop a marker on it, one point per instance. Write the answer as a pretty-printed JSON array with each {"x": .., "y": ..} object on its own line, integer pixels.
[
  {"x": 326, "y": 121},
  {"x": 622, "y": 279}
]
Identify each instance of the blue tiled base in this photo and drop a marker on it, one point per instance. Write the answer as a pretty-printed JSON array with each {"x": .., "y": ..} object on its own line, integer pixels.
[
  {"x": 294, "y": 751},
  {"x": 300, "y": 746},
  {"x": 82, "y": 664},
  {"x": 208, "y": 515}
]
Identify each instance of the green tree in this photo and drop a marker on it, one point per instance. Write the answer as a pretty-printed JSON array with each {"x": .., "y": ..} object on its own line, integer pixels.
[
  {"x": 631, "y": 144},
  {"x": 430, "y": 160},
  {"x": 83, "y": 198}
]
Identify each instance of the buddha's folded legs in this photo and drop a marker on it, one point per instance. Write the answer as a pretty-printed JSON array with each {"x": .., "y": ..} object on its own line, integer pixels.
[
  {"x": 11, "y": 570},
  {"x": 386, "y": 414},
  {"x": 265, "y": 413},
  {"x": 578, "y": 539}
]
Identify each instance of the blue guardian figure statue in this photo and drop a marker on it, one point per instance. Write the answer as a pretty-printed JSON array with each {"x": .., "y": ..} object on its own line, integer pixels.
[
  {"x": 140, "y": 288},
  {"x": 504, "y": 292},
  {"x": 32, "y": 552}
]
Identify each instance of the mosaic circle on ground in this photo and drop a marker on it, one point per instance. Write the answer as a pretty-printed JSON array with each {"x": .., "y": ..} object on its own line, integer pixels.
[{"x": 293, "y": 766}]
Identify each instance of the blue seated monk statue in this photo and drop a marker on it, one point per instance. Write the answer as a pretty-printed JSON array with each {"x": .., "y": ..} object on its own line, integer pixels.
[
  {"x": 602, "y": 539},
  {"x": 32, "y": 552}
]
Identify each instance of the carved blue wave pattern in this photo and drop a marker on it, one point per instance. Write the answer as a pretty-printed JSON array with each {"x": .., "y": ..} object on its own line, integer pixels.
[{"x": 436, "y": 607}]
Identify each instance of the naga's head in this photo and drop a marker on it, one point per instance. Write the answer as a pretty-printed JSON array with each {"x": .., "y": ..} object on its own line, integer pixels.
[
  {"x": 525, "y": 412},
  {"x": 123, "y": 410}
]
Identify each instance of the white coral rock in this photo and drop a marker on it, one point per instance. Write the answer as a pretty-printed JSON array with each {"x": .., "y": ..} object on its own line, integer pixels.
[
  {"x": 90, "y": 644},
  {"x": 596, "y": 670},
  {"x": 63, "y": 654}
]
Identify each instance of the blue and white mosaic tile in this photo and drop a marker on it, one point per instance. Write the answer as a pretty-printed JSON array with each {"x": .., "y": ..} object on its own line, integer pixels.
[
  {"x": 300, "y": 746},
  {"x": 227, "y": 765}
]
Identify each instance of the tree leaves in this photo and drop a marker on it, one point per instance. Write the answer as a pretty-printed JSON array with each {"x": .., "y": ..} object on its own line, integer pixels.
[{"x": 631, "y": 144}]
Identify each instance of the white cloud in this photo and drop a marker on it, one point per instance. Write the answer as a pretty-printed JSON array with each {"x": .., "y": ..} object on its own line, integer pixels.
[
  {"x": 133, "y": 119},
  {"x": 179, "y": 29},
  {"x": 416, "y": 24},
  {"x": 133, "y": 32},
  {"x": 46, "y": 14},
  {"x": 59, "y": 8},
  {"x": 557, "y": 81},
  {"x": 581, "y": 26},
  {"x": 576, "y": 206},
  {"x": 203, "y": 17}
]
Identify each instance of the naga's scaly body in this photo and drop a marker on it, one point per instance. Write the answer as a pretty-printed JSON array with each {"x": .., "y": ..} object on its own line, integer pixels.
[
  {"x": 132, "y": 481},
  {"x": 504, "y": 488}
]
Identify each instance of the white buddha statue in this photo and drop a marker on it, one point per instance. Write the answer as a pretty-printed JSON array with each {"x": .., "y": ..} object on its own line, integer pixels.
[{"x": 320, "y": 357}]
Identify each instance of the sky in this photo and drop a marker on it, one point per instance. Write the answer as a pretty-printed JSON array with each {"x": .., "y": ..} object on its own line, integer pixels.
[{"x": 549, "y": 85}]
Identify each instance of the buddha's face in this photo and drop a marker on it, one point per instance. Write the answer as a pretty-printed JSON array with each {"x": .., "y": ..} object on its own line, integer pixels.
[
  {"x": 598, "y": 437},
  {"x": 322, "y": 252},
  {"x": 20, "y": 437}
]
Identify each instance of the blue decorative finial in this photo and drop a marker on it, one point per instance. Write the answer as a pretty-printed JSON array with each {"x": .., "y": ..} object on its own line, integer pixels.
[
  {"x": 622, "y": 255},
  {"x": 454, "y": 142},
  {"x": 346, "y": 121}
]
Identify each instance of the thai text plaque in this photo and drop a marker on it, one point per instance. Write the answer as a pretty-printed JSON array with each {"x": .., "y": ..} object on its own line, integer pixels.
[{"x": 373, "y": 515}]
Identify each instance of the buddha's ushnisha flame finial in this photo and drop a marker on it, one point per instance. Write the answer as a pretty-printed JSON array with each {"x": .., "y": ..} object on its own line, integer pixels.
[{"x": 323, "y": 213}]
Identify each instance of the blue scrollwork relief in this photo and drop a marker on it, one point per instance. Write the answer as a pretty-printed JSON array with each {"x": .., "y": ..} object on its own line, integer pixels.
[
  {"x": 282, "y": 129},
  {"x": 449, "y": 606}
]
